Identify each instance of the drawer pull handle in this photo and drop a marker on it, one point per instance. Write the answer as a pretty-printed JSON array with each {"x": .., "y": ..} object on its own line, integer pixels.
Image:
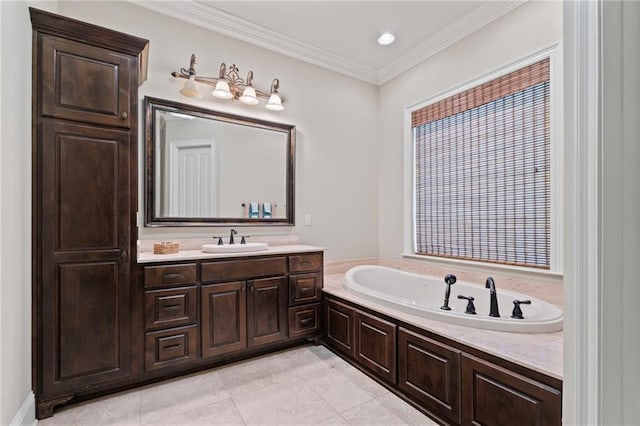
[
  {"x": 171, "y": 307},
  {"x": 171, "y": 276},
  {"x": 170, "y": 347},
  {"x": 305, "y": 321},
  {"x": 305, "y": 263}
]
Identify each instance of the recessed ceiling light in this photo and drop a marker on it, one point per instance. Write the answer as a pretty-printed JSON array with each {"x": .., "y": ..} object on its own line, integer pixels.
[{"x": 386, "y": 38}]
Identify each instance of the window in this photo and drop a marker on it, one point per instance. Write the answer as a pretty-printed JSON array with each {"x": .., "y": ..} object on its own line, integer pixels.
[{"x": 482, "y": 171}]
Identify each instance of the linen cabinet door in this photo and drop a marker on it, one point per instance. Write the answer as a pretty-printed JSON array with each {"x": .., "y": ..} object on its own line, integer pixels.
[
  {"x": 84, "y": 308},
  {"x": 224, "y": 318},
  {"x": 267, "y": 310},
  {"x": 85, "y": 83},
  {"x": 429, "y": 372}
]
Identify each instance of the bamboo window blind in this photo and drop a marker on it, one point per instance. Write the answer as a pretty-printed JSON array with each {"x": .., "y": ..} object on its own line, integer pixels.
[{"x": 482, "y": 171}]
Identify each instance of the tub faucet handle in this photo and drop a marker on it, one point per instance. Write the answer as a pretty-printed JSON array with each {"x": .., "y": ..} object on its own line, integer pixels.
[
  {"x": 517, "y": 312},
  {"x": 471, "y": 308},
  {"x": 220, "y": 242}
]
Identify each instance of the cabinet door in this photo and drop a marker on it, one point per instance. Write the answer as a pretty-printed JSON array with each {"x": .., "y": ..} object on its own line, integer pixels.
[
  {"x": 495, "y": 396},
  {"x": 224, "y": 318},
  {"x": 375, "y": 345},
  {"x": 429, "y": 372},
  {"x": 267, "y": 305},
  {"x": 84, "y": 279},
  {"x": 85, "y": 83},
  {"x": 338, "y": 327}
]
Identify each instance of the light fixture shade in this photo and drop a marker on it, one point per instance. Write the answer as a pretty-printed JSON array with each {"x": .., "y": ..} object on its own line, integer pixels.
[
  {"x": 190, "y": 89},
  {"x": 275, "y": 103},
  {"x": 222, "y": 90},
  {"x": 249, "y": 96}
]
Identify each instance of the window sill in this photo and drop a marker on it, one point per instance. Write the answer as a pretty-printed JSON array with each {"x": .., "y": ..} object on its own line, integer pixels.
[{"x": 542, "y": 275}]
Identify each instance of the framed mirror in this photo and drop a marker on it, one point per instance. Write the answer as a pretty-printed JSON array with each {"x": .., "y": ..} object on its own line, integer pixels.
[{"x": 208, "y": 168}]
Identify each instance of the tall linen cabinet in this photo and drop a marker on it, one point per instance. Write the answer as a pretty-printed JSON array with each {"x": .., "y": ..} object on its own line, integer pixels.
[{"x": 85, "y": 109}]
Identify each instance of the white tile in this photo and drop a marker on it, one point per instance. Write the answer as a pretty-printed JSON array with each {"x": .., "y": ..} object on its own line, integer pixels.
[
  {"x": 167, "y": 399},
  {"x": 372, "y": 413},
  {"x": 334, "y": 421},
  {"x": 119, "y": 409},
  {"x": 291, "y": 402},
  {"x": 404, "y": 411},
  {"x": 219, "y": 413},
  {"x": 344, "y": 387},
  {"x": 256, "y": 373}
]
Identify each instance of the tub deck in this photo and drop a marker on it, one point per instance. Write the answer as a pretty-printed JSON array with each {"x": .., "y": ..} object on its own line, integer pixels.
[{"x": 539, "y": 352}]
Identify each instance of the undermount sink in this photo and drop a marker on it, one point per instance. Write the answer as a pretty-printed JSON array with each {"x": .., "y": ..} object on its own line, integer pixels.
[{"x": 233, "y": 248}]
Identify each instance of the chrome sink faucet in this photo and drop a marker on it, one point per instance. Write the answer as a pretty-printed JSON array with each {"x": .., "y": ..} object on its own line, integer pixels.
[
  {"x": 233, "y": 231},
  {"x": 493, "y": 308}
]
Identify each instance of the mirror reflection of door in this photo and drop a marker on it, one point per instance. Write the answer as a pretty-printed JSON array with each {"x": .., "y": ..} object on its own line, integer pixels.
[{"x": 192, "y": 188}]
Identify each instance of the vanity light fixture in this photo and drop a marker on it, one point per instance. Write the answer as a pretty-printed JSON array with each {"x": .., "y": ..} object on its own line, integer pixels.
[{"x": 229, "y": 85}]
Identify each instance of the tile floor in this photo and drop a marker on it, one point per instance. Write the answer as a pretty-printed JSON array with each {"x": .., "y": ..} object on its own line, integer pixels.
[{"x": 300, "y": 386}]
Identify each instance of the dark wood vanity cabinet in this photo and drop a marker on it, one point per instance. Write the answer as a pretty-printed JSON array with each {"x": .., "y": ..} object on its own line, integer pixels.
[
  {"x": 85, "y": 82},
  {"x": 451, "y": 382},
  {"x": 244, "y": 304}
]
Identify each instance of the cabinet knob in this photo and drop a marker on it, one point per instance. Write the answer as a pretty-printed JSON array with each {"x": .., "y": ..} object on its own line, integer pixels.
[
  {"x": 124, "y": 254},
  {"x": 124, "y": 115}
]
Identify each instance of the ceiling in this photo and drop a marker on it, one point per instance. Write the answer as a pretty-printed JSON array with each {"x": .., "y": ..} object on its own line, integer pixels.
[{"x": 342, "y": 35}]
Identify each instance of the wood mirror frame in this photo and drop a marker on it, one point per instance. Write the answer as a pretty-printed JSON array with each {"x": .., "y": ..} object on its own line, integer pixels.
[{"x": 153, "y": 218}]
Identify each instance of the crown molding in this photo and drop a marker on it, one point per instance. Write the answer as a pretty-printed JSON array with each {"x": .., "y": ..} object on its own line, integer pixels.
[
  {"x": 238, "y": 28},
  {"x": 469, "y": 23},
  {"x": 230, "y": 25}
]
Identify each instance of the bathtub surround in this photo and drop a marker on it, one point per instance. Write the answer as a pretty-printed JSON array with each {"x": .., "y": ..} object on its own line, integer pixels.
[{"x": 542, "y": 353}]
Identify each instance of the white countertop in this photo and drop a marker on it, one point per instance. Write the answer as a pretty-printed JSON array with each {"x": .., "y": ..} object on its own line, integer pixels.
[{"x": 149, "y": 257}]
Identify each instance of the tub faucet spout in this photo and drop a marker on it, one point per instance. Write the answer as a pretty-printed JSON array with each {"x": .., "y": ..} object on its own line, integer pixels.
[
  {"x": 233, "y": 231},
  {"x": 493, "y": 308}
]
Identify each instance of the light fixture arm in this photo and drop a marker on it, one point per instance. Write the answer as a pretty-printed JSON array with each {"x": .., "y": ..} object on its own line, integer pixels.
[{"x": 236, "y": 84}]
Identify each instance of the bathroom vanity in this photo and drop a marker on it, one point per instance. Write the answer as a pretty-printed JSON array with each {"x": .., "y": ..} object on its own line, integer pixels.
[{"x": 213, "y": 310}]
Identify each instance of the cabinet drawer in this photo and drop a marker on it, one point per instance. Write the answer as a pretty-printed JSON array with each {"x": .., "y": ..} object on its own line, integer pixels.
[
  {"x": 243, "y": 269},
  {"x": 170, "y": 308},
  {"x": 304, "y": 320},
  {"x": 170, "y": 347},
  {"x": 305, "y": 262},
  {"x": 305, "y": 288},
  {"x": 163, "y": 276}
]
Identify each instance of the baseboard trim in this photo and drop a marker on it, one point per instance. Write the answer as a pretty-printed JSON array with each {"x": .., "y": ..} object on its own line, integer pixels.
[{"x": 26, "y": 415}]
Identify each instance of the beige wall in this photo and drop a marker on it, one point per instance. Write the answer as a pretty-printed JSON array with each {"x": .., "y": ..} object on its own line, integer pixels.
[
  {"x": 529, "y": 28},
  {"x": 337, "y": 164}
]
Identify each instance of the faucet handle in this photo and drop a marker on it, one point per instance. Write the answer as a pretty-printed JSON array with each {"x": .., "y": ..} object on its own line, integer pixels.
[
  {"x": 517, "y": 312},
  {"x": 471, "y": 308},
  {"x": 220, "y": 242},
  {"x": 242, "y": 239}
]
